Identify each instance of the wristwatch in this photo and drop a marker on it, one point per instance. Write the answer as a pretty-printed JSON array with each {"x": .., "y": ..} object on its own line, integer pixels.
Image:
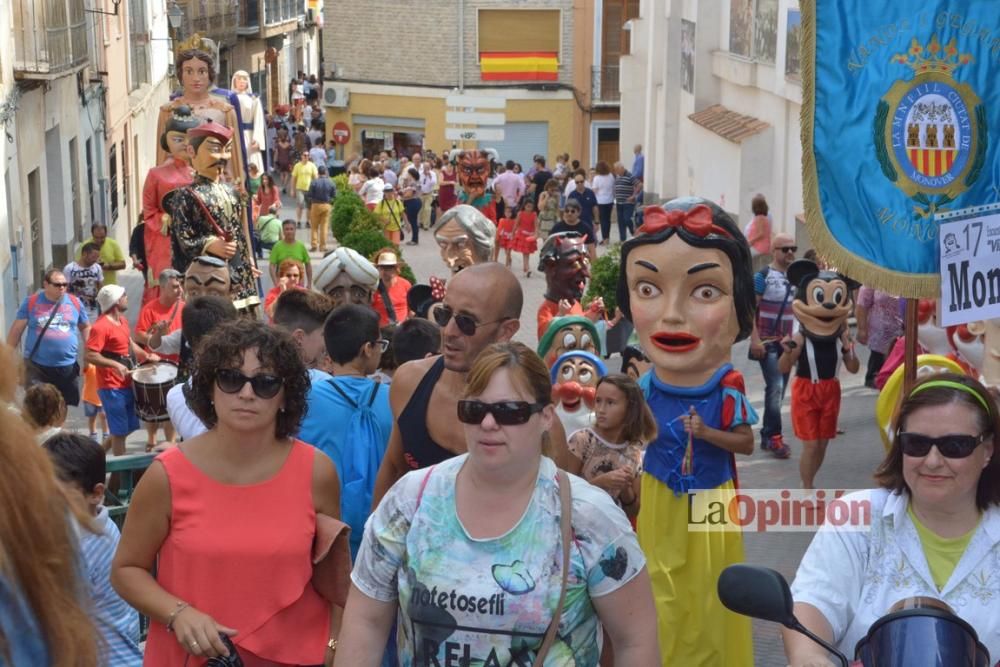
[{"x": 332, "y": 644}]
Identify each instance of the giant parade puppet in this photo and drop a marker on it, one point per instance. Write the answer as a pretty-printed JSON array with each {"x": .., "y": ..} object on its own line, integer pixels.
[
  {"x": 687, "y": 286},
  {"x": 474, "y": 168},
  {"x": 175, "y": 172},
  {"x": 251, "y": 115},
  {"x": 196, "y": 71},
  {"x": 207, "y": 217}
]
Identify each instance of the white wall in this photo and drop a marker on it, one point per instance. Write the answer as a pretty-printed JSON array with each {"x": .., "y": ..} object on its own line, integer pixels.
[
  {"x": 8, "y": 167},
  {"x": 683, "y": 158}
]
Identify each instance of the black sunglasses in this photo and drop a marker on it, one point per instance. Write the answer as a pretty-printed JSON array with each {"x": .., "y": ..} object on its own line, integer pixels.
[
  {"x": 382, "y": 343},
  {"x": 466, "y": 323},
  {"x": 232, "y": 381},
  {"x": 58, "y": 284},
  {"x": 956, "y": 446},
  {"x": 789, "y": 248},
  {"x": 506, "y": 413}
]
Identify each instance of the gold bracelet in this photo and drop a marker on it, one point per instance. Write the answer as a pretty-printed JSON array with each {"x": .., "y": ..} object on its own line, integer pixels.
[{"x": 181, "y": 606}]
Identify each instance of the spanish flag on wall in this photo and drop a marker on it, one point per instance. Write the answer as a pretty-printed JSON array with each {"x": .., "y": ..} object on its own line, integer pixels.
[{"x": 519, "y": 66}]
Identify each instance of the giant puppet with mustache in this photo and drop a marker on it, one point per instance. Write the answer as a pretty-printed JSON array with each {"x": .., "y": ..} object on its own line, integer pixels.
[{"x": 208, "y": 216}]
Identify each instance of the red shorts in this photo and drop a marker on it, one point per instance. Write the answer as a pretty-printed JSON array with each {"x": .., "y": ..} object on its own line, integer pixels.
[{"x": 815, "y": 408}]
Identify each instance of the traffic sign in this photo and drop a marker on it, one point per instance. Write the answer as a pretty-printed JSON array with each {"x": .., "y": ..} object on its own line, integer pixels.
[
  {"x": 341, "y": 132},
  {"x": 475, "y": 102},
  {"x": 474, "y": 134},
  {"x": 471, "y": 118}
]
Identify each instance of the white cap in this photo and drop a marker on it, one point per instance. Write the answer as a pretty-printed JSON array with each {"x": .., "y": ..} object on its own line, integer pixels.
[{"x": 109, "y": 296}]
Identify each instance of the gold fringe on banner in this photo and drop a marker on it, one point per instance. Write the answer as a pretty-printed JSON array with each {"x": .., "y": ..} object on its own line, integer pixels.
[{"x": 912, "y": 285}]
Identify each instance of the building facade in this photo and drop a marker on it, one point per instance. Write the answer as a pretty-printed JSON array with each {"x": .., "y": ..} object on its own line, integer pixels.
[
  {"x": 390, "y": 67},
  {"x": 712, "y": 91}
]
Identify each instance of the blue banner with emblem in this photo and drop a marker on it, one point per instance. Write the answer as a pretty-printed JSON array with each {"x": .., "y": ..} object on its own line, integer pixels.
[{"x": 900, "y": 110}]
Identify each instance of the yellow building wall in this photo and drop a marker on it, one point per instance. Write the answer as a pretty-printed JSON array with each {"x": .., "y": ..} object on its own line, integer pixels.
[{"x": 562, "y": 116}]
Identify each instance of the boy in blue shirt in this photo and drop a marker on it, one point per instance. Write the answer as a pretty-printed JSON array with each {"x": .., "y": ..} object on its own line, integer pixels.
[
  {"x": 79, "y": 462},
  {"x": 348, "y": 417}
]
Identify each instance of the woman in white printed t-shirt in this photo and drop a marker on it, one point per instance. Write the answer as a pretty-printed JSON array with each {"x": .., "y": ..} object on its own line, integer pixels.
[
  {"x": 935, "y": 527},
  {"x": 469, "y": 553}
]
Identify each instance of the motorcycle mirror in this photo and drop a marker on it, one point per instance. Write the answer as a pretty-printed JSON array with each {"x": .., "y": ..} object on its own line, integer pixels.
[{"x": 758, "y": 592}]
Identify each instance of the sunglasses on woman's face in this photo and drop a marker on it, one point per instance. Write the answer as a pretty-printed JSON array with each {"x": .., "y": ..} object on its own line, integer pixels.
[
  {"x": 505, "y": 413},
  {"x": 232, "y": 381},
  {"x": 466, "y": 323},
  {"x": 956, "y": 446}
]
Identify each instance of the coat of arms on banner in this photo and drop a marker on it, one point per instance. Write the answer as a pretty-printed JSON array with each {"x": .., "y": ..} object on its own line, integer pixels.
[{"x": 931, "y": 130}]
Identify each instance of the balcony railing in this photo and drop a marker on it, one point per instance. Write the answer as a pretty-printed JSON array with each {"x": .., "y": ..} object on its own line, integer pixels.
[
  {"x": 50, "y": 37},
  {"x": 605, "y": 84},
  {"x": 218, "y": 25}
]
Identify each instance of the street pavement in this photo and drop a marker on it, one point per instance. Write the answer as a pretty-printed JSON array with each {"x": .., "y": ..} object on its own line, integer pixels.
[{"x": 850, "y": 462}]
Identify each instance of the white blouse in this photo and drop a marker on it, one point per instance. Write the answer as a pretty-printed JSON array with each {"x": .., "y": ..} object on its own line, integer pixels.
[{"x": 854, "y": 577}]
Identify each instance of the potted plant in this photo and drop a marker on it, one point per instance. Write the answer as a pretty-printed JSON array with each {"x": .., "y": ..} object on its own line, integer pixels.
[{"x": 604, "y": 284}]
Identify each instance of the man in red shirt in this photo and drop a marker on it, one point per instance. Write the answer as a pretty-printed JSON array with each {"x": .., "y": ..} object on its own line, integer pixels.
[
  {"x": 162, "y": 315},
  {"x": 111, "y": 350},
  {"x": 393, "y": 284}
]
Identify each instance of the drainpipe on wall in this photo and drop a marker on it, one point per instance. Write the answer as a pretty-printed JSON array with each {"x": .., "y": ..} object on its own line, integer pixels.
[{"x": 461, "y": 45}]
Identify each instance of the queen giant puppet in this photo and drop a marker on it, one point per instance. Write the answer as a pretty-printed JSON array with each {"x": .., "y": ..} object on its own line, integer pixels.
[{"x": 687, "y": 286}]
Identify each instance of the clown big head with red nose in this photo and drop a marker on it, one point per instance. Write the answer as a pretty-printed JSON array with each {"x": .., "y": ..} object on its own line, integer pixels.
[{"x": 574, "y": 385}]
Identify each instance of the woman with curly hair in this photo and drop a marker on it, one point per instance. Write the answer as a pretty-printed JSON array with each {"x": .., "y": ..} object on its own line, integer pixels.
[
  {"x": 44, "y": 410},
  {"x": 229, "y": 517}
]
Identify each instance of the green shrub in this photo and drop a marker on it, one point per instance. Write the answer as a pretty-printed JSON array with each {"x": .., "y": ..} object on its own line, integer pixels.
[
  {"x": 340, "y": 180},
  {"x": 604, "y": 279},
  {"x": 346, "y": 206}
]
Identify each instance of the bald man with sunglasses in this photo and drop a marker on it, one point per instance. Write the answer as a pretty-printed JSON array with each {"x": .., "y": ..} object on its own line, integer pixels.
[{"x": 424, "y": 393}]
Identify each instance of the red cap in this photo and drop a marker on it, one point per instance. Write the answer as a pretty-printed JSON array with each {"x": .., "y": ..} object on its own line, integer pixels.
[{"x": 212, "y": 129}]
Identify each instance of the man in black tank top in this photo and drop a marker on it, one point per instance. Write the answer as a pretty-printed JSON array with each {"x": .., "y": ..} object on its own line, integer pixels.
[{"x": 482, "y": 306}]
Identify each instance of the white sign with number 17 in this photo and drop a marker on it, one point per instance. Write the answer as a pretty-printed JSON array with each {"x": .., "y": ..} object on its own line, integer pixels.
[{"x": 970, "y": 269}]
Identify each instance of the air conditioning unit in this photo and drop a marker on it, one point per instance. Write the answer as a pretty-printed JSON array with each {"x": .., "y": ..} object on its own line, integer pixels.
[{"x": 336, "y": 96}]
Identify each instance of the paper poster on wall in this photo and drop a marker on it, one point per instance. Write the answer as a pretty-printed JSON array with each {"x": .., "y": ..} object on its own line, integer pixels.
[
  {"x": 687, "y": 55},
  {"x": 741, "y": 27},
  {"x": 793, "y": 67},
  {"x": 765, "y": 31}
]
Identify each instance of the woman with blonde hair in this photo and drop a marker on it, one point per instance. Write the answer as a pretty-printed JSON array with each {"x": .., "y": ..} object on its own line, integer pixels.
[
  {"x": 496, "y": 551},
  {"x": 42, "y": 618}
]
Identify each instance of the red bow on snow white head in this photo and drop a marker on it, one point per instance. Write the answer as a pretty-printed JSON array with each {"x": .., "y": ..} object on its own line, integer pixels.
[
  {"x": 697, "y": 220},
  {"x": 437, "y": 288}
]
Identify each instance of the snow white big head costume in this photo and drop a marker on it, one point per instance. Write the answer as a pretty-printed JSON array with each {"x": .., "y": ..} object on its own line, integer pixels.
[{"x": 686, "y": 284}]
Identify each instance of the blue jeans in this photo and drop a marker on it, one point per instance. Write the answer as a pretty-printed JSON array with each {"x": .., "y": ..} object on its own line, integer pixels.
[
  {"x": 625, "y": 215},
  {"x": 774, "y": 390},
  {"x": 412, "y": 209}
]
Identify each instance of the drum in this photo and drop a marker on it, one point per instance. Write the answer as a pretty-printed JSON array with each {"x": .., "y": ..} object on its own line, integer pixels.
[
  {"x": 925, "y": 636},
  {"x": 150, "y": 384}
]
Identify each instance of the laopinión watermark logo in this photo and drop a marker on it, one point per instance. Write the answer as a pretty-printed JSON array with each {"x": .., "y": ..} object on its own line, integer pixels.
[{"x": 778, "y": 510}]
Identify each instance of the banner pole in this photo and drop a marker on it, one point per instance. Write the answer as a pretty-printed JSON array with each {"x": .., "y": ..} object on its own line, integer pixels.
[{"x": 910, "y": 349}]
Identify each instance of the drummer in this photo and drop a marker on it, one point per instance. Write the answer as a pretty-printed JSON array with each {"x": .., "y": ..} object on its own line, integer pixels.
[
  {"x": 935, "y": 527},
  {"x": 164, "y": 316},
  {"x": 110, "y": 347}
]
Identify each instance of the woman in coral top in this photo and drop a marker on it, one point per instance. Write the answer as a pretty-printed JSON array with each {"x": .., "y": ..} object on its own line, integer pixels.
[{"x": 229, "y": 517}]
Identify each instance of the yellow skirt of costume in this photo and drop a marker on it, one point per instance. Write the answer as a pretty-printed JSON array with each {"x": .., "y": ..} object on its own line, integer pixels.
[{"x": 694, "y": 629}]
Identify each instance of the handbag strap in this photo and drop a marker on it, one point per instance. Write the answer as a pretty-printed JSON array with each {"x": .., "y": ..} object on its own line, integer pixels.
[
  {"x": 566, "y": 528},
  {"x": 390, "y": 310},
  {"x": 41, "y": 334}
]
